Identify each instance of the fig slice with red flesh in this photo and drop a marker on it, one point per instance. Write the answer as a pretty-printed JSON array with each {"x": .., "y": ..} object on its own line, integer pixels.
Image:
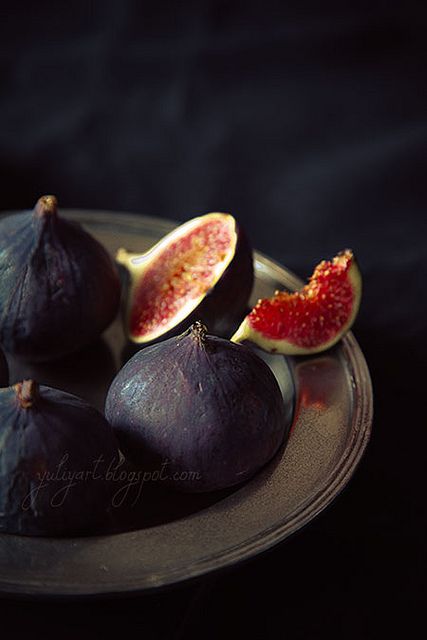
[
  {"x": 203, "y": 269},
  {"x": 309, "y": 320}
]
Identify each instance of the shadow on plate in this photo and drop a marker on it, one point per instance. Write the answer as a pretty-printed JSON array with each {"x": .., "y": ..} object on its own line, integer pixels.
[
  {"x": 150, "y": 504},
  {"x": 86, "y": 373}
]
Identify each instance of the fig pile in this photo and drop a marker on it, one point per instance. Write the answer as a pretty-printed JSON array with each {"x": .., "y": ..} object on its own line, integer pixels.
[
  {"x": 59, "y": 288},
  {"x": 205, "y": 409},
  {"x": 54, "y": 454},
  {"x": 210, "y": 410}
]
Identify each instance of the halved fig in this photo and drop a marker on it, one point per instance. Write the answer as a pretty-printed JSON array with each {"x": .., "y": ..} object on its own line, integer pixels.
[
  {"x": 203, "y": 269},
  {"x": 312, "y": 319}
]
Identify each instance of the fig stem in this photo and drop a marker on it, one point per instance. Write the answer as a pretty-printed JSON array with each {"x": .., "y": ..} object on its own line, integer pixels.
[
  {"x": 46, "y": 206},
  {"x": 198, "y": 331},
  {"x": 27, "y": 392}
]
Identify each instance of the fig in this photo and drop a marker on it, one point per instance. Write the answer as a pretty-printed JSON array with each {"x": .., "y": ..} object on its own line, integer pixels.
[
  {"x": 207, "y": 412},
  {"x": 55, "y": 453},
  {"x": 310, "y": 320},
  {"x": 4, "y": 370},
  {"x": 202, "y": 270},
  {"x": 59, "y": 288}
]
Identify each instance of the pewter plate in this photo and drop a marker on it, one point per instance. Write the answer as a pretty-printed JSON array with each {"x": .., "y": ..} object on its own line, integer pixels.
[{"x": 175, "y": 538}]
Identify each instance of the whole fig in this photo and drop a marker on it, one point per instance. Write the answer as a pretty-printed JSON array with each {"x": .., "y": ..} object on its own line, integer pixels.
[
  {"x": 59, "y": 288},
  {"x": 4, "y": 370},
  {"x": 208, "y": 412},
  {"x": 55, "y": 454}
]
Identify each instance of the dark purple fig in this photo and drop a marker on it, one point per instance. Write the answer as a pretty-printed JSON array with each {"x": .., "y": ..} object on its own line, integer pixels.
[
  {"x": 207, "y": 412},
  {"x": 59, "y": 288},
  {"x": 4, "y": 370},
  {"x": 57, "y": 454}
]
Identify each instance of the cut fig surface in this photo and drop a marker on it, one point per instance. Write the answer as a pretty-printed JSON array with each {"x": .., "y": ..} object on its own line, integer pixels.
[
  {"x": 312, "y": 319},
  {"x": 173, "y": 279}
]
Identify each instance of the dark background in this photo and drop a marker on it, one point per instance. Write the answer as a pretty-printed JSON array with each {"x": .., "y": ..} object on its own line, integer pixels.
[{"x": 308, "y": 121}]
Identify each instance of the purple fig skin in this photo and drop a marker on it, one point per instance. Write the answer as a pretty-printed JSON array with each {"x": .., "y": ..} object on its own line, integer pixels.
[
  {"x": 59, "y": 288},
  {"x": 205, "y": 412},
  {"x": 46, "y": 431},
  {"x": 4, "y": 370},
  {"x": 226, "y": 303}
]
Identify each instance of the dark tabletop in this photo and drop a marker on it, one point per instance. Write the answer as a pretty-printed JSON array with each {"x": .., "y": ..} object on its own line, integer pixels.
[{"x": 308, "y": 121}]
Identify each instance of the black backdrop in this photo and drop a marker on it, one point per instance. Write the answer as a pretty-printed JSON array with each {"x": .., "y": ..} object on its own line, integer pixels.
[{"x": 308, "y": 121}]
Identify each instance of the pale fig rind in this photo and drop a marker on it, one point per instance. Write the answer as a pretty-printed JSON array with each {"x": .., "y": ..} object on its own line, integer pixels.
[
  {"x": 59, "y": 288},
  {"x": 55, "y": 454},
  {"x": 248, "y": 333},
  {"x": 207, "y": 412},
  {"x": 221, "y": 308}
]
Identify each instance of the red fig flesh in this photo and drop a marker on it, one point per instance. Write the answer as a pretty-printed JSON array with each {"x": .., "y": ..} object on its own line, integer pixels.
[
  {"x": 203, "y": 267},
  {"x": 312, "y": 319}
]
